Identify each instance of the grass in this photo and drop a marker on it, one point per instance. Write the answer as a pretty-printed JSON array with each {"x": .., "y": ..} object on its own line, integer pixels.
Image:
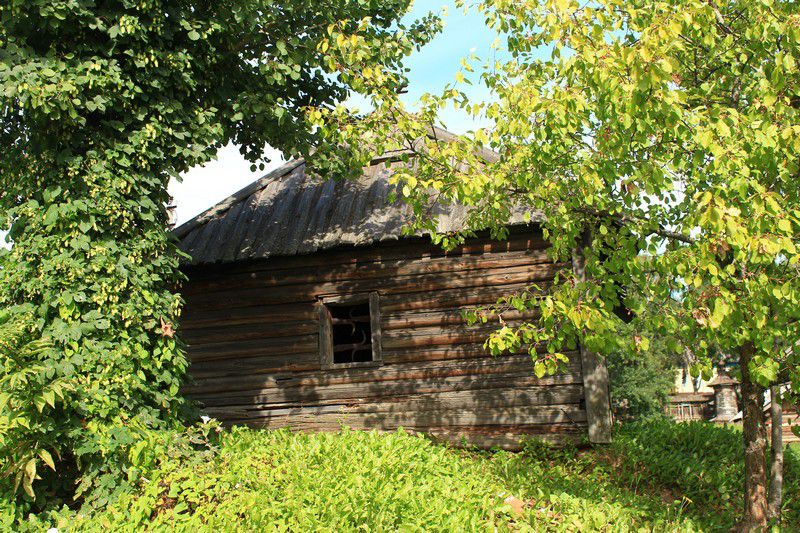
[{"x": 649, "y": 480}]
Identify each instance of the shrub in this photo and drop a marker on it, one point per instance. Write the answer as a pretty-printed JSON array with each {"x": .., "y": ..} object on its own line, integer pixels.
[
  {"x": 278, "y": 480},
  {"x": 58, "y": 429},
  {"x": 657, "y": 476},
  {"x": 702, "y": 462},
  {"x": 30, "y": 399},
  {"x": 102, "y": 103},
  {"x": 641, "y": 382},
  {"x": 144, "y": 456}
]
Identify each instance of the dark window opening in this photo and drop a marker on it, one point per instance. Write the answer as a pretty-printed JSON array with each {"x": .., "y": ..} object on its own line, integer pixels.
[{"x": 351, "y": 332}]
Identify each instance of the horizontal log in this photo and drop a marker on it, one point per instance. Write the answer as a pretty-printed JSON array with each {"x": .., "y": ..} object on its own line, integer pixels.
[
  {"x": 236, "y": 333},
  {"x": 456, "y": 298},
  {"x": 399, "y": 339},
  {"x": 279, "y": 347},
  {"x": 352, "y": 392},
  {"x": 238, "y": 366},
  {"x": 309, "y": 418},
  {"x": 445, "y": 353},
  {"x": 400, "y": 285},
  {"x": 456, "y": 329},
  {"x": 385, "y": 400},
  {"x": 407, "y": 248},
  {"x": 195, "y": 319},
  {"x": 435, "y": 353},
  {"x": 447, "y": 317},
  {"x": 399, "y": 268},
  {"x": 512, "y": 366}
]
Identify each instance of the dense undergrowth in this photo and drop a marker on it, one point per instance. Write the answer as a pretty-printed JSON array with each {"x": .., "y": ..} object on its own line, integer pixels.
[
  {"x": 702, "y": 463},
  {"x": 657, "y": 476}
]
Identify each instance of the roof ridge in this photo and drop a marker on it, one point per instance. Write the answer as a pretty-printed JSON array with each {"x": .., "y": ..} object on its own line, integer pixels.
[{"x": 240, "y": 195}]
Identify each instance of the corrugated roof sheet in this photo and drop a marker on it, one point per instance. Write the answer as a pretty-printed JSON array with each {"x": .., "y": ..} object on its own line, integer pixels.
[{"x": 290, "y": 212}]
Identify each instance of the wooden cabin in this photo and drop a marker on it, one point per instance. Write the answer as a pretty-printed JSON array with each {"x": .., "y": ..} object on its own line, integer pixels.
[{"x": 307, "y": 308}]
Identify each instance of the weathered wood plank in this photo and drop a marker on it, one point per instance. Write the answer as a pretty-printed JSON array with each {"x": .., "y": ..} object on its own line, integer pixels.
[
  {"x": 437, "y": 337},
  {"x": 280, "y": 346},
  {"x": 270, "y": 363},
  {"x": 421, "y": 283},
  {"x": 197, "y": 319},
  {"x": 246, "y": 332},
  {"x": 446, "y": 352},
  {"x": 454, "y": 298},
  {"x": 435, "y": 353},
  {"x": 432, "y": 399},
  {"x": 316, "y": 417},
  {"x": 417, "y": 248},
  {"x": 325, "y": 340},
  {"x": 446, "y": 317},
  {"x": 340, "y": 392},
  {"x": 512, "y": 366},
  {"x": 376, "y": 327},
  {"x": 371, "y": 271}
]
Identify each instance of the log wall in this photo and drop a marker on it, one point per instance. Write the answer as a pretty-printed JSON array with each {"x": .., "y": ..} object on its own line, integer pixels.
[{"x": 253, "y": 335}]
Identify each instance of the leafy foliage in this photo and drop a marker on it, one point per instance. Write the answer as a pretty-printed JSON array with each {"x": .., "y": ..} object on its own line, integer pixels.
[
  {"x": 28, "y": 401},
  {"x": 191, "y": 446},
  {"x": 256, "y": 480},
  {"x": 640, "y": 383},
  {"x": 668, "y": 131},
  {"x": 662, "y": 140},
  {"x": 101, "y": 103},
  {"x": 700, "y": 460},
  {"x": 659, "y": 476}
]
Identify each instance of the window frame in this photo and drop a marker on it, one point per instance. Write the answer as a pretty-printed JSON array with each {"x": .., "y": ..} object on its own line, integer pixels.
[{"x": 326, "y": 329}]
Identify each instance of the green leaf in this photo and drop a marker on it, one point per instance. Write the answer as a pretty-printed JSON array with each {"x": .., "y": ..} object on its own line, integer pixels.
[
  {"x": 48, "y": 459},
  {"x": 29, "y": 477}
]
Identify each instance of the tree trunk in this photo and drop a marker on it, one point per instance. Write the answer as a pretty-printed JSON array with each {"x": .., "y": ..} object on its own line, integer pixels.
[
  {"x": 593, "y": 369},
  {"x": 776, "y": 444},
  {"x": 755, "y": 446}
]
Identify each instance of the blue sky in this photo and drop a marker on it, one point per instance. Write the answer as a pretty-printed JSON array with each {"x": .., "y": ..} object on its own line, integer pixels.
[{"x": 431, "y": 69}]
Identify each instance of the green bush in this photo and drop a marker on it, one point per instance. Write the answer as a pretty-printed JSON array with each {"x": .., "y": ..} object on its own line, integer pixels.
[
  {"x": 101, "y": 105},
  {"x": 142, "y": 458},
  {"x": 700, "y": 462},
  {"x": 29, "y": 400},
  {"x": 61, "y": 437},
  {"x": 301, "y": 482},
  {"x": 640, "y": 383},
  {"x": 253, "y": 480},
  {"x": 657, "y": 476}
]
